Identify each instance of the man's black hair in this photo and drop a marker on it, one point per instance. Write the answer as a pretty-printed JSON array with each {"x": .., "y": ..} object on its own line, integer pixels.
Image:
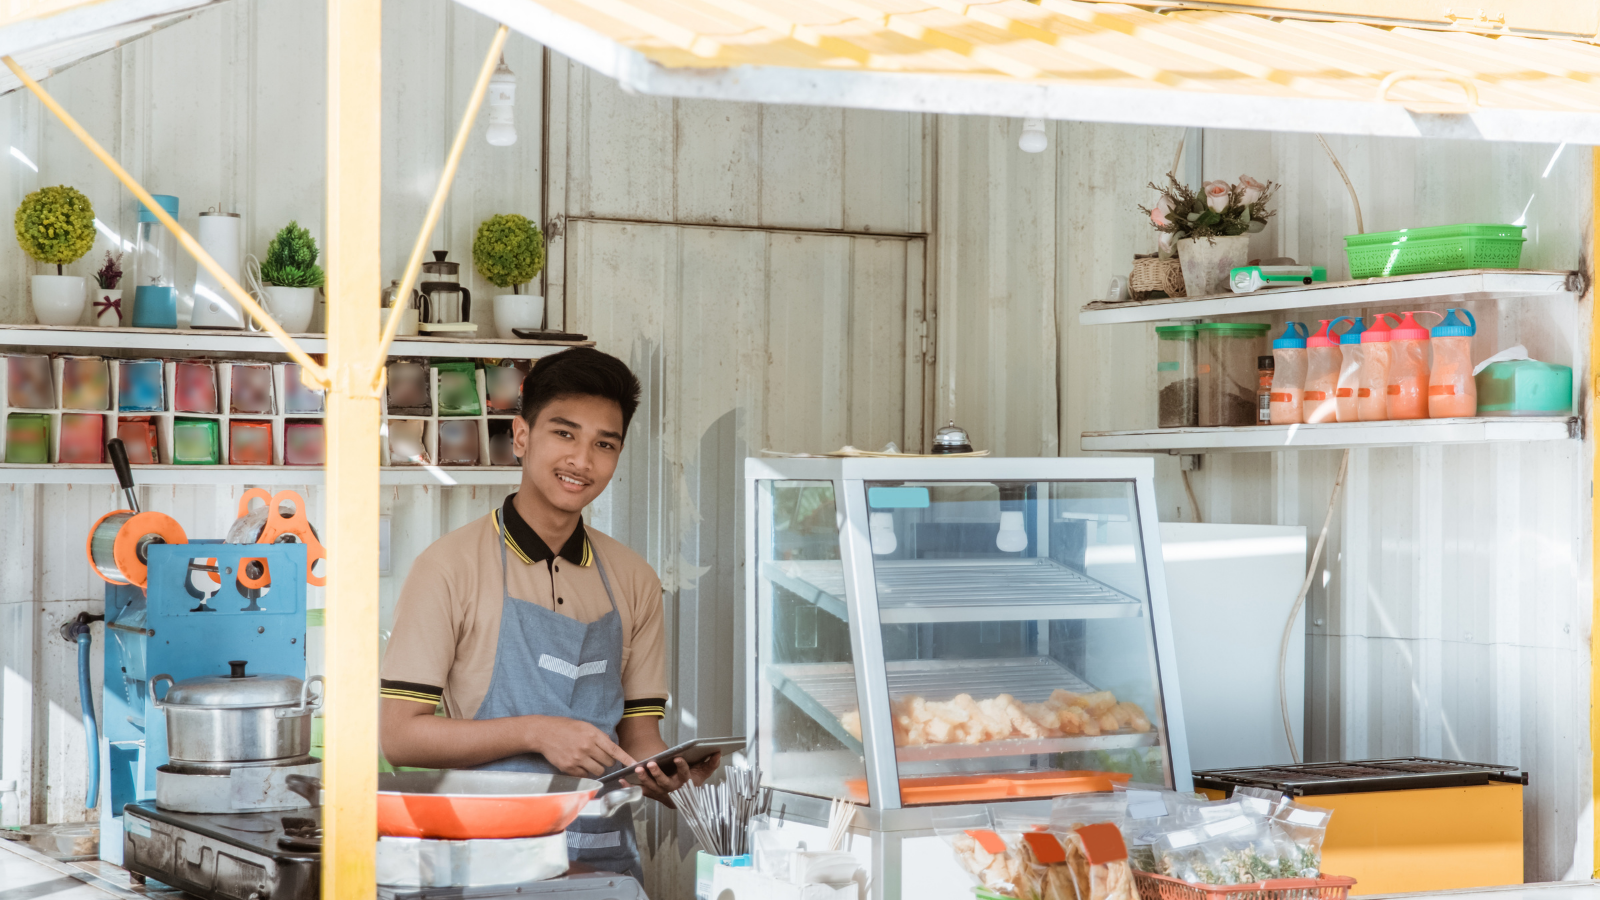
[{"x": 580, "y": 372}]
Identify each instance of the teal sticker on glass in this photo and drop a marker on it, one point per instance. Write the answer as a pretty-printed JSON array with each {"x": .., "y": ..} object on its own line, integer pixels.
[
  {"x": 1168, "y": 366},
  {"x": 897, "y": 497}
]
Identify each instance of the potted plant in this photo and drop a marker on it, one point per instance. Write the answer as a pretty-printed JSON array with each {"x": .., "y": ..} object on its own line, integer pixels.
[
  {"x": 508, "y": 252},
  {"x": 291, "y": 276},
  {"x": 55, "y": 225},
  {"x": 1210, "y": 230},
  {"x": 108, "y": 309}
]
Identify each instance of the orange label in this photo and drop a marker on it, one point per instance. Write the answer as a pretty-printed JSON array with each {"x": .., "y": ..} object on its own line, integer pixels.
[
  {"x": 1046, "y": 848},
  {"x": 1441, "y": 390},
  {"x": 1315, "y": 395},
  {"x": 1394, "y": 390},
  {"x": 1345, "y": 392},
  {"x": 1204, "y": 369},
  {"x": 1103, "y": 843},
  {"x": 1282, "y": 398},
  {"x": 1364, "y": 392},
  {"x": 988, "y": 840}
]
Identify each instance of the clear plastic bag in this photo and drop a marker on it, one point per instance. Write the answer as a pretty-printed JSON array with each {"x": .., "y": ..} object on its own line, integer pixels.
[
  {"x": 1300, "y": 830},
  {"x": 1069, "y": 811},
  {"x": 1238, "y": 849},
  {"x": 1258, "y": 801},
  {"x": 982, "y": 852}
]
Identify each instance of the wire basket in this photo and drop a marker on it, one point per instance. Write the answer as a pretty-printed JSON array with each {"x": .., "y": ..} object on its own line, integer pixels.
[
  {"x": 1151, "y": 274},
  {"x": 1160, "y": 887},
  {"x": 1412, "y": 251}
]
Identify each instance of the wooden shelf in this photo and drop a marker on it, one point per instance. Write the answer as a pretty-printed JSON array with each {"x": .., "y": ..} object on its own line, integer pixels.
[
  {"x": 1433, "y": 287},
  {"x": 254, "y": 475},
  {"x": 201, "y": 342},
  {"x": 1334, "y": 436}
]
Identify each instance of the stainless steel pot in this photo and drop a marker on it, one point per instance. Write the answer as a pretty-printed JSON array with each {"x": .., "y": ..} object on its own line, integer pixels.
[{"x": 237, "y": 718}]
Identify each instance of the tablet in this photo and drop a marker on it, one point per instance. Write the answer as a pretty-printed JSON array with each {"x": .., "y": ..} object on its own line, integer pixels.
[{"x": 691, "y": 751}]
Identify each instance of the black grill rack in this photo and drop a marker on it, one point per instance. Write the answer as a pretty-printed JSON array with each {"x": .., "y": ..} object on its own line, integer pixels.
[{"x": 1402, "y": 774}]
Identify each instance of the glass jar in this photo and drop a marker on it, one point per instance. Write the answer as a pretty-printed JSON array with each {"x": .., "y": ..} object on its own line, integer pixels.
[
  {"x": 1179, "y": 397},
  {"x": 1227, "y": 373},
  {"x": 154, "y": 272},
  {"x": 1264, "y": 366}
]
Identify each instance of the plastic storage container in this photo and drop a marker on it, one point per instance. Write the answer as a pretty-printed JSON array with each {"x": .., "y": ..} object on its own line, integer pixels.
[
  {"x": 1451, "y": 391},
  {"x": 1176, "y": 379},
  {"x": 1227, "y": 372},
  {"x": 1409, "y": 251},
  {"x": 1350, "y": 355},
  {"x": 1323, "y": 360},
  {"x": 1407, "y": 387},
  {"x": 1288, "y": 374},
  {"x": 1372, "y": 392},
  {"x": 1524, "y": 387}
]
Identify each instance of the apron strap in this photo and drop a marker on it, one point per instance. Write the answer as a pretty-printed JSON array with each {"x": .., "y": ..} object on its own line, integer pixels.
[{"x": 601, "y": 566}]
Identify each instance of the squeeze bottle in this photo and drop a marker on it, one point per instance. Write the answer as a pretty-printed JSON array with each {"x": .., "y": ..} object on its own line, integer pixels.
[
  {"x": 1288, "y": 374},
  {"x": 1372, "y": 389},
  {"x": 1408, "y": 369},
  {"x": 1452, "y": 391},
  {"x": 1322, "y": 376},
  {"x": 1350, "y": 354}
]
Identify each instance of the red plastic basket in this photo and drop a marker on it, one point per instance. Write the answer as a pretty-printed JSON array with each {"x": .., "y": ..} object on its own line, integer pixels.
[{"x": 1160, "y": 887}]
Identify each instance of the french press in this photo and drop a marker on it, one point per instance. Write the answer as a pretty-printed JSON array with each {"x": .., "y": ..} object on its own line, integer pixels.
[{"x": 447, "y": 303}]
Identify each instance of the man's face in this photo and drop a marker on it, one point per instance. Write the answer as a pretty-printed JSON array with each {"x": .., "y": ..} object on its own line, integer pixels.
[{"x": 570, "y": 451}]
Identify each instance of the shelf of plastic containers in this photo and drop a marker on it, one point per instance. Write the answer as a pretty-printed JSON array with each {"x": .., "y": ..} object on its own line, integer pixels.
[
  {"x": 1433, "y": 287},
  {"x": 1334, "y": 436},
  {"x": 200, "y": 341},
  {"x": 254, "y": 475}
]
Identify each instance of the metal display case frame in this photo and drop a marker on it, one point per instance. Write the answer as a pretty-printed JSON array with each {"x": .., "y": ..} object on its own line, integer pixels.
[{"x": 849, "y": 478}]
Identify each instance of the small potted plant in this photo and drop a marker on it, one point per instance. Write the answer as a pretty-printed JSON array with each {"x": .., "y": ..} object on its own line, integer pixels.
[
  {"x": 55, "y": 225},
  {"x": 1210, "y": 230},
  {"x": 508, "y": 252},
  {"x": 108, "y": 309},
  {"x": 291, "y": 277}
]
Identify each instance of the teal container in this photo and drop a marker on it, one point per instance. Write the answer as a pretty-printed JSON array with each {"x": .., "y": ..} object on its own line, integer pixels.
[{"x": 1524, "y": 387}]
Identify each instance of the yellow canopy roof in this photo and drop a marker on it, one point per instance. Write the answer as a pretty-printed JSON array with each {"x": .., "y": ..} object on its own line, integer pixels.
[{"x": 1092, "y": 61}]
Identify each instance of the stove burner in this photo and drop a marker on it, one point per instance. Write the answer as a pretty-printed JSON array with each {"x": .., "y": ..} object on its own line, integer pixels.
[{"x": 302, "y": 835}]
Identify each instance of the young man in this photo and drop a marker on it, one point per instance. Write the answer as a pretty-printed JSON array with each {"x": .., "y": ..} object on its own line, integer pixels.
[{"x": 543, "y": 639}]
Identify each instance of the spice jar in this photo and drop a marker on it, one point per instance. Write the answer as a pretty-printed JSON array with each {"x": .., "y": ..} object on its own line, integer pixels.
[
  {"x": 1372, "y": 401},
  {"x": 1322, "y": 376},
  {"x": 1452, "y": 391},
  {"x": 1227, "y": 372},
  {"x": 1288, "y": 374},
  {"x": 1407, "y": 388},
  {"x": 1349, "y": 369},
  {"x": 1264, "y": 390},
  {"x": 1179, "y": 397}
]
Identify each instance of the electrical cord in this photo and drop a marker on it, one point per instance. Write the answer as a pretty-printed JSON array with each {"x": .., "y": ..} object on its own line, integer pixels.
[{"x": 1299, "y": 603}]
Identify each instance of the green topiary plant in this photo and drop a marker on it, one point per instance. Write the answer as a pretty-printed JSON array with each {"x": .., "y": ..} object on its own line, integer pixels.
[
  {"x": 55, "y": 225},
  {"x": 508, "y": 251},
  {"x": 292, "y": 259}
]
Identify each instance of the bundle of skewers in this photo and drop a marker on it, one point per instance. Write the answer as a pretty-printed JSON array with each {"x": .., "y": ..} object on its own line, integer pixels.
[{"x": 719, "y": 814}]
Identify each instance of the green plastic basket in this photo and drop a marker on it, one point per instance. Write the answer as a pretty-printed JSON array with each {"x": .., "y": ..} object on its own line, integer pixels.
[{"x": 1411, "y": 251}]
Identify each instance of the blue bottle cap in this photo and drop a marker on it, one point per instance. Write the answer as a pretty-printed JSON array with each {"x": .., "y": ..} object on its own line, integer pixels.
[
  {"x": 1293, "y": 337},
  {"x": 166, "y": 201},
  {"x": 1453, "y": 327},
  {"x": 1353, "y": 336}
]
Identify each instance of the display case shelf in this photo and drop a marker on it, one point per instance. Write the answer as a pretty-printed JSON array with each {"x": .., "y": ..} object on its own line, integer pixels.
[
  {"x": 201, "y": 342},
  {"x": 827, "y": 691},
  {"x": 950, "y": 590},
  {"x": 1436, "y": 287},
  {"x": 1332, "y": 436},
  {"x": 253, "y": 475}
]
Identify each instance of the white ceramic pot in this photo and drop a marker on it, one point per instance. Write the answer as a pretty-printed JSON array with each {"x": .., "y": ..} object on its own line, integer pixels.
[
  {"x": 108, "y": 307},
  {"x": 517, "y": 311},
  {"x": 58, "y": 299},
  {"x": 293, "y": 307},
  {"x": 1207, "y": 261}
]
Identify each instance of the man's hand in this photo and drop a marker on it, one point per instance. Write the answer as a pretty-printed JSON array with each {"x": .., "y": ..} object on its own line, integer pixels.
[
  {"x": 658, "y": 783},
  {"x": 575, "y": 747}
]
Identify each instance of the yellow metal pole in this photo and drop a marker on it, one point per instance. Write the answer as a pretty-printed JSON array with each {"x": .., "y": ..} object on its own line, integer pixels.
[
  {"x": 1594, "y": 504},
  {"x": 350, "y": 761},
  {"x": 435, "y": 208},
  {"x": 310, "y": 366}
]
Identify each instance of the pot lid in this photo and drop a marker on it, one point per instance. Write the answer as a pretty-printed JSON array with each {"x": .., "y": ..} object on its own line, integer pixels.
[{"x": 236, "y": 689}]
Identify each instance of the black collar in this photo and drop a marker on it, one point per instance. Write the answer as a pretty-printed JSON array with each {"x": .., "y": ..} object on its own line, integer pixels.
[{"x": 530, "y": 548}]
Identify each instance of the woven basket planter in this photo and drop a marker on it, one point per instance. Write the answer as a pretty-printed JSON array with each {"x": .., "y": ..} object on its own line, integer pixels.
[{"x": 1151, "y": 274}]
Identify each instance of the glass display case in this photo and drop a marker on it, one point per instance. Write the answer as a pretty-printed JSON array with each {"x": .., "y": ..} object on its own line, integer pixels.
[{"x": 929, "y": 631}]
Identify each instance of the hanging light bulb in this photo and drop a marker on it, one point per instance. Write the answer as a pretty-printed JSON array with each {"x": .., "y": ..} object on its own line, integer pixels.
[
  {"x": 502, "y": 97},
  {"x": 1011, "y": 539},
  {"x": 1034, "y": 140},
  {"x": 880, "y": 525}
]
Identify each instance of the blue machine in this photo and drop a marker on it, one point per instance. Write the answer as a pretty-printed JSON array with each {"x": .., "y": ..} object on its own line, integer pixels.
[{"x": 186, "y": 625}]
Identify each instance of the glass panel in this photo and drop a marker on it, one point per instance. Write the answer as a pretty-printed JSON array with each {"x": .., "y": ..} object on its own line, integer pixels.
[
  {"x": 1017, "y": 638},
  {"x": 810, "y": 735}
]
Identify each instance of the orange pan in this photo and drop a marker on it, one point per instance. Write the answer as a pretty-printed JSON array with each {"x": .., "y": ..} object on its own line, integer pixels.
[{"x": 459, "y": 804}]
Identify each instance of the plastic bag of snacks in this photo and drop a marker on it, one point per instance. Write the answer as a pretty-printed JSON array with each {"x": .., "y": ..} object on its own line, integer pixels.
[
  {"x": 1149, "y": 811},
  {"x": 1301, "y": 830},
  {"x": 1234, "y": 850},
  {"x": 982, "y": 852},
  {"x": 1097, "y": 857}
]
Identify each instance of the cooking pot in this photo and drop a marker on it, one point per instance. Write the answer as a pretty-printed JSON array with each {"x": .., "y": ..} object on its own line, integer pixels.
[
  {"x": 462, "y": 804},
  {"x": 223, "y": 720}
]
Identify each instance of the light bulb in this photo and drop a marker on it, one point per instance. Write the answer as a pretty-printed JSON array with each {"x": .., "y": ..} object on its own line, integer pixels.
[
  {"x": 1034, "y": 140},
  {"x": 880, "y": 525},
  {"x": 502, "y": 102},
  {"x": 1012, "y": 538}
]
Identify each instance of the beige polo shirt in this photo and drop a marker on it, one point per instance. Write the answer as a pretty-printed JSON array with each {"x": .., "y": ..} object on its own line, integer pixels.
[{"x": 447, "y": 623}]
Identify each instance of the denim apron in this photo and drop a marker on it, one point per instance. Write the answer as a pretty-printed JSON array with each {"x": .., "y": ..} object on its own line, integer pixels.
[{"x": 546, "y": 664}]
